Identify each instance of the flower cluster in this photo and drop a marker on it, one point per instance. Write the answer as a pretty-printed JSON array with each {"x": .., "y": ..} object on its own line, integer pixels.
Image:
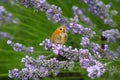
[
  {"x": 20, "y": 48},
  {"x": 6, "y": 17},
  {"x": 101, "y": 10},
  {"x": 111, "y": 35},
  {"x": 4, "y": 35},
  {"x": 84, "y": 57},
  {"x": 54, "y": 13},
  {"x": 80, "y": 13},
  {"x": 96, "y": 48},
  {"x": 93, "y": 67},
  {"x": 40, "y": 67},
  {"x": 98, "y": 51},
  {"x": 79, "y": 29},
  {"x": 96, "y": 70},
  {"x": 69, "y": 53}
]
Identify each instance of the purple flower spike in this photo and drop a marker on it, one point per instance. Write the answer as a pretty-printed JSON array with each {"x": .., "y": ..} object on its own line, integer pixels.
[
  {"x": 6, "y": 17},
  {"x": 14, "y": 73},
  {"x": 4, "y": 35},
  {"x": 79, "y": 12},
  {"x": 79, "y": 29},
  {"x": 94, "y": 67},
  {"x": 111, "y": 35},
  {"x": 98, "y": 8},
  {"x": 96, "y": 70},
  {"x": 69, "y": 53},
  {"x": 85, "y": 41},
  {"x": 40, "y": 67},
  {"x": 20, "y": 48}
]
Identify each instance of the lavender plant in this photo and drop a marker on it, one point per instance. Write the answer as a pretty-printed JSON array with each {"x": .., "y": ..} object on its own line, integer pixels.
[
  {"x": 88, "y": 56},
  {"x": 103, "y": 11},
  {"x": 80, "y": 13},
  {"x": 97, "y": 49},
  {"x": 4, "y": 35},
  {"x": 40, "y": 67},
  {"x": 111, "y": 35},
  {"x": 6, "y": 17},
  {"x": 20, "y": 48},
  {"x": 54, "y": 13}
]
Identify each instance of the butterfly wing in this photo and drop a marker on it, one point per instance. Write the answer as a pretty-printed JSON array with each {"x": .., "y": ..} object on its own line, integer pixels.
[
  {"x": 55, "y": 36},
  {"x": 56, "y": 39},
  {"x": 65, "y": 37}
]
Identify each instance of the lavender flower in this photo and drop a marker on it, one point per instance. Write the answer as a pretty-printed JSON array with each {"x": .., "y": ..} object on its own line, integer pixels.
[
  {"x": 74, "y": 54},
  {"x": 6, "y": 17},
  {"x": 105, "y": 47},
  {"x": 79, "y": 12},
  {"x": 13, "y": 73},
  {"x": 111, "y": 35},
  {"x": 69, "y": 53},
  {"x": 94, "y": 67},
  {"x": 98, "y": 51},
  {"x": 54, "y": 13},
  {"x": 85, "y": 41},
  {"x": 98, "y": 8},
  {"x": 96, "y": 48},
  {"x": 52, "y": 64},
  {"x": 85, "y": 58},
  {"x": 79, "y": 29},
  {"x": 96, "y": 70},
  {"x": 4, "y": 35},
  {"x": 20, "y": 48},
  {"x": 40, "y": 67},
  {"x": 103, "y": 53}
]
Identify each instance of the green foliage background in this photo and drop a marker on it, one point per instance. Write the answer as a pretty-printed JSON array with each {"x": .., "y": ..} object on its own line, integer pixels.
[{"x": 34, "y": 27}]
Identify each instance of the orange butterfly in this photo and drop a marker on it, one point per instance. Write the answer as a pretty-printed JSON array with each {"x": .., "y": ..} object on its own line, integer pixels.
[{"x": 59, "y": 36}]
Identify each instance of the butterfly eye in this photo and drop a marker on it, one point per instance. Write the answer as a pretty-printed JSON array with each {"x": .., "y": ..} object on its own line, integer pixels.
[{"x": 60, "y": 29}]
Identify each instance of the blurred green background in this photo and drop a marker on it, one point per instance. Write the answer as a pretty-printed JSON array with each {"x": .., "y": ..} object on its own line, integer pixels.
[{"x": 34, "y": 27}]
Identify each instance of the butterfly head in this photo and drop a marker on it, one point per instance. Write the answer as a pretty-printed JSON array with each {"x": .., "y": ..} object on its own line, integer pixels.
[{"x": 62, "y": 29}]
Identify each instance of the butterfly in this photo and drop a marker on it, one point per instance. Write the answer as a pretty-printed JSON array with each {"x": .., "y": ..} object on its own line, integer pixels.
[{"x": 59, "y": 36}]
